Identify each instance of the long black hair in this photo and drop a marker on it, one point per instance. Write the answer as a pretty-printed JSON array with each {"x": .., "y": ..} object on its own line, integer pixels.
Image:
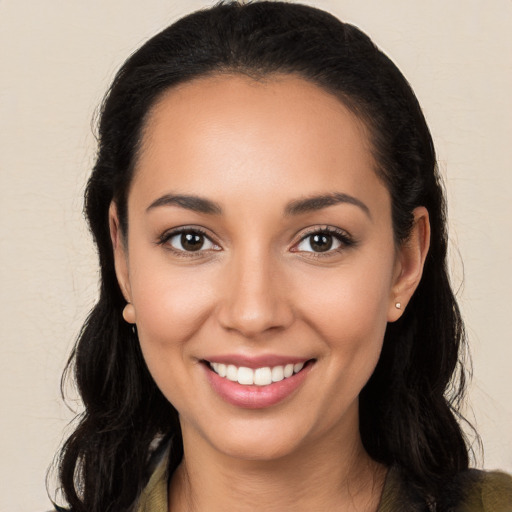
[{"x": 407, "y": 419}]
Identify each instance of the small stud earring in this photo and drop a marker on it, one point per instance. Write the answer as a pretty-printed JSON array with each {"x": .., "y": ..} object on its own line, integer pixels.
[{"x": 398, "y": 305}]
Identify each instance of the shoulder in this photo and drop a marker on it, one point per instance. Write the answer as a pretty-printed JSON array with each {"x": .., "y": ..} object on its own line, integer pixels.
[
  {"x": 153, "y": 497},
  {"x": 468, "y": 491},
  {"x": 478, "y": 491},
  {"x": 486, "y": 491}
]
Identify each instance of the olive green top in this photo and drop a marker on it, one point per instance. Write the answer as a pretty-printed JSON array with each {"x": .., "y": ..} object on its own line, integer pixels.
[
  {"x": 488, "y": 492},
  {"x": 479, "y": 491}
]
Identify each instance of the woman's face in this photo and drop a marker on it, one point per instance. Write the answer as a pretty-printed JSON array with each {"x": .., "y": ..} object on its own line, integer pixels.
[{"x": 259, "y": 238}]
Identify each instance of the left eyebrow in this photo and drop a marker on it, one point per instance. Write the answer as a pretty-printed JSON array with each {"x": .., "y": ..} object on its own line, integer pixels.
[
  {"x": 189, "y": 202},
  {"x": 314, "y": 203}
]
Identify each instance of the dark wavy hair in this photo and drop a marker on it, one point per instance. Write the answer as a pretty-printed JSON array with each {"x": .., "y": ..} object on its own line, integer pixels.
[{"x": 409, "y": 408}]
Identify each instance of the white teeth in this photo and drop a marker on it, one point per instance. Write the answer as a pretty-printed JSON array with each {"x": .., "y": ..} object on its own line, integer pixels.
[
  {"x": 221, "y": 369},
  {"x": 297, "y": 367},
  {"x": 231, "y": 372},
  {"x": 260, "y": 376},
  {"x": 277, "y": 373},
  {"x": 263, "y": 376},
  {"x": 245, "y": 376}
]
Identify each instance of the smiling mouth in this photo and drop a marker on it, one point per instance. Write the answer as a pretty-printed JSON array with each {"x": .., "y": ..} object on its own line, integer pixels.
[{"x": 258, "y": 376}]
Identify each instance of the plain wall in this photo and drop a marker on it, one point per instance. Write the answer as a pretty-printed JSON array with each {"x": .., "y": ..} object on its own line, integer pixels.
[{"x": 56, "y": 60}]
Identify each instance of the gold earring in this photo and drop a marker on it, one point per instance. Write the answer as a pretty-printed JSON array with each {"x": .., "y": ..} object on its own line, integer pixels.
[
  {"x": 129, "y": 313},
  {"x": 398, "y": 305}
]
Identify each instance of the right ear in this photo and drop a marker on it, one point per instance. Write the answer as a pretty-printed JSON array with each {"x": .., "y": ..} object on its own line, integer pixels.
[{"x": 120, "y": 252}]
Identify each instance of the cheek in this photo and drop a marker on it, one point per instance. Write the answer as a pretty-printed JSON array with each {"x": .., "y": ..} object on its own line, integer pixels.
[
  {"x": 171, "y": 304},
  {"x": 349, "y": 301},
  {"x": 349, "y": 308}
]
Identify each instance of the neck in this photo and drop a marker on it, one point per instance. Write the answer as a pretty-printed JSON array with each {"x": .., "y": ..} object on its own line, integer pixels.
[{"x": 318, "y": 477}]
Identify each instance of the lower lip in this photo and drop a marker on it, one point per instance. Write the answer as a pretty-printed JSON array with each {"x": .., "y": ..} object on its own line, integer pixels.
[{"x": 256, "y": 397}]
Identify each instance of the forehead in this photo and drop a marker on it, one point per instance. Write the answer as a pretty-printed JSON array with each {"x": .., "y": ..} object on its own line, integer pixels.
[
  {"x": 256, "y": 104},
  {"x": 233, "y": 133}
]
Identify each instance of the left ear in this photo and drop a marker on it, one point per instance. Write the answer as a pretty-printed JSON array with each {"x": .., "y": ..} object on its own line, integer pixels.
[{"x": 409, "y": 264}]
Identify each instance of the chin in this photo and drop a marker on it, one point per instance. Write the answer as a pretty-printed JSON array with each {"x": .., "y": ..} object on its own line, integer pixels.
[
  {"x": 250, "y": 439},
  {"x": 262, "y": 449}
]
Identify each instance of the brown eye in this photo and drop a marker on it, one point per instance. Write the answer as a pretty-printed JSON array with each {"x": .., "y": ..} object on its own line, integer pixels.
[
  {"x": 323, "y": 241},
  {"x": 190, "y": 241}
]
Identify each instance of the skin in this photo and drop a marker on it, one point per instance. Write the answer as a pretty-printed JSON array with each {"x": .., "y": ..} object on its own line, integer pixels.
[{"x": 259, "y": 288}]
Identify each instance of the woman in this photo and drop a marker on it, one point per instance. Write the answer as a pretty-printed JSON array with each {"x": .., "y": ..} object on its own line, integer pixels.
[{"x": 276, "y": 328}]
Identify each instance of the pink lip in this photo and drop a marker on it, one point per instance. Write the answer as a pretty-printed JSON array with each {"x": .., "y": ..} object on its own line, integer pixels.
[
  {"x": 255, "y": 397},
  {"x": 255, "y": 361}
]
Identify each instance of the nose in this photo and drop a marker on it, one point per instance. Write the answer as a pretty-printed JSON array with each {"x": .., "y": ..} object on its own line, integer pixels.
[{"x": 255, "y": 297}]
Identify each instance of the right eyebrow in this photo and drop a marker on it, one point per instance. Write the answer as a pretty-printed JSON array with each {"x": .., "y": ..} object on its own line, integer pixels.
[
  {"x": 194, "y": 203},
  {"x": 314, "y": 203}
]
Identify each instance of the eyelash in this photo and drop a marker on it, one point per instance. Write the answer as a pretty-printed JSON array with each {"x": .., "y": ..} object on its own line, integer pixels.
[
  {"x": 340, "y": 235},
  {"x": 168, "y": 235}
]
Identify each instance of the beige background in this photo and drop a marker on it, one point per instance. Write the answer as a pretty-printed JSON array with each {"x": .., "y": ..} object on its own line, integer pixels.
[{"x": 56, "y": 60}]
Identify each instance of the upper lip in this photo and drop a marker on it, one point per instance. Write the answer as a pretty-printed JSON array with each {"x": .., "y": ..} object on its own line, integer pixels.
[{"x": 254, "y": 362}]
